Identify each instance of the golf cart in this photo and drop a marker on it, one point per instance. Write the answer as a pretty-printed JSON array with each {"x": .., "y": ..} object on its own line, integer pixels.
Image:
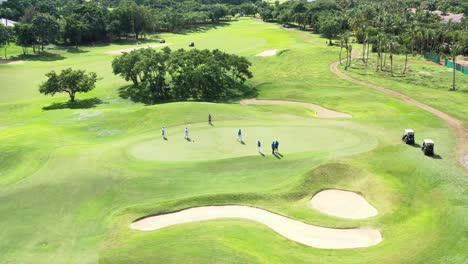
[
  {"x": 192, "y": 44},
  {"x": 428, "y": 147},
  {"x": 408, "y": 136},
  {"x": 162, "y": 41}
]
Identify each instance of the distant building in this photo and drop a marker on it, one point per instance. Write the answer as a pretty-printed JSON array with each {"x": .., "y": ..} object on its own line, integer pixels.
[{"x": 6, "y": 22}]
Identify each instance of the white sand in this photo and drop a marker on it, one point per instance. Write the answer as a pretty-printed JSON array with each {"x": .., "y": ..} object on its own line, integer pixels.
[
  {"x": 120, "y": 51},
  {"x": 321, "y": 111},
  {"x": 310, "y": 235},
  {"x": 342, "y": 204},
  {"x": 267, "y": 53}
]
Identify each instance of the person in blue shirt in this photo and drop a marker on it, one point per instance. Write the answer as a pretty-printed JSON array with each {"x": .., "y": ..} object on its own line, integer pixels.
[
  {"x": 209, "y": 120},
  {"x": 259, "y": 145},
  {"x": 276, "y": 146},
  {"x": 273, "y": 145}
]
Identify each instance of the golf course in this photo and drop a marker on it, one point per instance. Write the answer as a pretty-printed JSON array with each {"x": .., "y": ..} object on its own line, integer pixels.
[{"x": 96, "y": 182}]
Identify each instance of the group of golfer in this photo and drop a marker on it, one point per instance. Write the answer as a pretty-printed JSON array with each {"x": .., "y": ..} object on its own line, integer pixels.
[{"x": 274, "y": 144}]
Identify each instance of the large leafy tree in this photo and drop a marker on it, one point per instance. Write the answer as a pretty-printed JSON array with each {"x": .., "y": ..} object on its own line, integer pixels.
[
  {"x": 68, "y": 81},
  {"x": 25, "y": 36},
  {"x": 46, "y": 29},
  {"x": 6, "y": 36},
  {"x": 194, "y": 75}
]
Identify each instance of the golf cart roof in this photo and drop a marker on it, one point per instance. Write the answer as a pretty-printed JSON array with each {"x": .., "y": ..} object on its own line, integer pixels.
[
  {"x": 409, "y": 131},
  {"x": 428, "y": 141}
]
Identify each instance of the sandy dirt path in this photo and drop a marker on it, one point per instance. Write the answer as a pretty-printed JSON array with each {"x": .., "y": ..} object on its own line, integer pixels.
[
  {"x": 11, "y": 62},
  {"x": 455, "y": 124},
  {"x": 120, "y": 51},
  {"x": 310, "y": 235},
  {"x": 342, "y": 203},
  {"x": 267, "y": 53},
  {"x": 322, "y": 112}
]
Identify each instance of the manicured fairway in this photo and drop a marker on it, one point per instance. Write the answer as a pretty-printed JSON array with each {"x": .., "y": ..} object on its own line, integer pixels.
[{"x": 72, "y": 181}]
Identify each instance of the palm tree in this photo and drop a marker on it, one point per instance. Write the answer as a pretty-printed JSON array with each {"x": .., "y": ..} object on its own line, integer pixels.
[{"x": 344, "y": 39}]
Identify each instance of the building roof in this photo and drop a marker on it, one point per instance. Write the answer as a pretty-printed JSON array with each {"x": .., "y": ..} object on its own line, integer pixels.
[{"x": 6, "y": 22}]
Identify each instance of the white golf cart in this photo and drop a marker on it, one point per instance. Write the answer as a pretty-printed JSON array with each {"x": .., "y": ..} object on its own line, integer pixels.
[
  {"x": 428, "y": 147},
  {"x": 408, "y": 136}
]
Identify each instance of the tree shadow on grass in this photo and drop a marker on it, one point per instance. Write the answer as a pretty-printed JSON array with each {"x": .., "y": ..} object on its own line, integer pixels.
[
  {"x": 79, "y": 104},
  {"x": 202, "y": 28},
  {"x": 130, "y": 93},
  {"x": 75, "y": 50},
  {"x": 43, "y": 56}
]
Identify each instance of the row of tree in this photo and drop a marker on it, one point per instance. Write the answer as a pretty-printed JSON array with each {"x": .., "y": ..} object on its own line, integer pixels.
[
  {"x": 385, "y": 27},
  {"x": 182, "y": 75},
  {"x": 76, "y": 22}
]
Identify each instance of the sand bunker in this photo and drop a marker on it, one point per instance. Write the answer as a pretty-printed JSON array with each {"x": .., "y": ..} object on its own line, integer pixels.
[
  {"x": 321, "y": 111},
  {"x": 344, "y": 204},
  {"x": 310, "y": 235},
  {"x": 11, "y": 62},
  {"x": 120, "y": 51},
  {"x": 267, "y": 53}
]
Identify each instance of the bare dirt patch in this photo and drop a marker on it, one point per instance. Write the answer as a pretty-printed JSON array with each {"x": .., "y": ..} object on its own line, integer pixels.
[
  {"x": 310, "y": 235},
  {"x": 344, "y": 204},
  {"x": 11, "y": 62},
  {"x": 322, "y": 112},
  {"x": 120, "y": 51},
  {"x": 267, "y": 53}
]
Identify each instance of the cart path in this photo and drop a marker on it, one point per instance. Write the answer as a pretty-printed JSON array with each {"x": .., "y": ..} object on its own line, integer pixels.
[
  {"x": 456, "y": 124},
  {"x": 322, "y": 112},
  {"x": 310, "y": 235}
]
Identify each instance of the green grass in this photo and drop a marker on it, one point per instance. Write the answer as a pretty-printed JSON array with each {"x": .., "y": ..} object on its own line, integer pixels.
[
  {"x": 425, "y": 81},
  {"x": 70, "y": 186}
]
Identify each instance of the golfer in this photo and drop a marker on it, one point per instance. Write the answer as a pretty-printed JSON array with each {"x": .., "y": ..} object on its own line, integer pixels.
[
  {"x": 239, "y": 135},
  {"x": 186, "y": 133},
  {"x": 259, "y": 145},
  {"x": 163, "y": 132},
  {"x": 273, "y": 145},
  {"x": 276, "y": 146},
  {"x": 209, "y": 119}
]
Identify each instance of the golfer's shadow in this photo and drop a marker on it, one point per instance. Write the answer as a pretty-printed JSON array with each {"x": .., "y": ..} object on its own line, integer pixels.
[
  {"x": 188, "y": 139},
  {"x": 165, "y": 138},
  {"x": 242, "y": 142},
  {"x": 415, "y": 145},
  {"x": 436, "y": 156},
  {"x": 261, "y": 153},
  {"x": 278, "y": 155}
]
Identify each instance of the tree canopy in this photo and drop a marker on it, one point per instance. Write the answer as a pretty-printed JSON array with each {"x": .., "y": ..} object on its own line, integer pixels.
[
  {"x": 182, "y": 75},
  {"x": 68, "y": 81}
]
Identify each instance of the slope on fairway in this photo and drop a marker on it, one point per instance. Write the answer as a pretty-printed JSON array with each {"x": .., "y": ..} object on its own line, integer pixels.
[
  {"x": 213, "y": 143},
  {"x": 322, "y": 112},
  {"x": 310, "y": 235}
]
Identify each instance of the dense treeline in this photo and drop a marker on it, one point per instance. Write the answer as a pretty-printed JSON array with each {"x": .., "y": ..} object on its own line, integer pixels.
[
  {"x": 75, "y": 22},
  {"x": 372, "y": 22},
  {"x": 182, "y": 75}
]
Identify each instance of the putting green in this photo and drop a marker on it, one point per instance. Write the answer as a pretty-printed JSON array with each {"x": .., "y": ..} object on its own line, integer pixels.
[{"x": 213, "y": 143}]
